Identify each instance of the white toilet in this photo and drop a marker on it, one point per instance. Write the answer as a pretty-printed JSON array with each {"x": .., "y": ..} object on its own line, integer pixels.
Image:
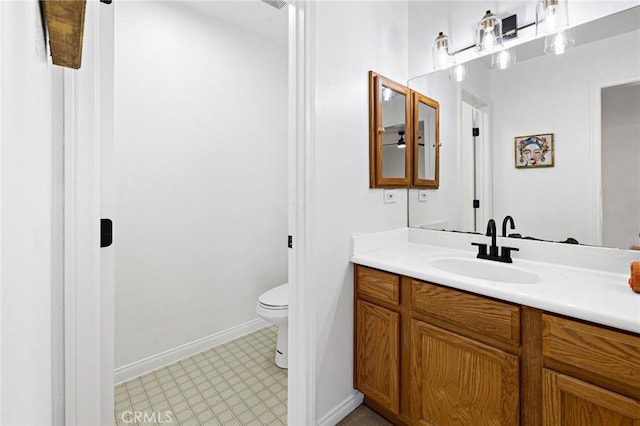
[{"x": 273, "y": 307}]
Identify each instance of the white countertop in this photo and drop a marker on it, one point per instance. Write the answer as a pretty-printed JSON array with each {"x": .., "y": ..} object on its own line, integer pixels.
[{"x": 599, "y": 296}]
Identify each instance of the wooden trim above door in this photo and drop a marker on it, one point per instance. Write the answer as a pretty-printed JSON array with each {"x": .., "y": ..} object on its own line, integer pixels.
[{"x": 65, "y": 24}]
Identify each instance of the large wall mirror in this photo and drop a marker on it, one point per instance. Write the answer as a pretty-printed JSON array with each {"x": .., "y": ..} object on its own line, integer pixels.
[{"x": 588, "y": 99}]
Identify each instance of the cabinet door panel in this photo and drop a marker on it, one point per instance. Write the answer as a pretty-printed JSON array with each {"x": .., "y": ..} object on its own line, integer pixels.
[
  {"x": 606, "y": 357},
  {"x": 571, "y": 402},
  {"x": 378, "y": 354},
  {"x": 457, "y": 381}
]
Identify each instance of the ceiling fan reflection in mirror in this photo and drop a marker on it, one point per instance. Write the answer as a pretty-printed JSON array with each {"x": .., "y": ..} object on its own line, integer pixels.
[{"x": 401, "y": 143}]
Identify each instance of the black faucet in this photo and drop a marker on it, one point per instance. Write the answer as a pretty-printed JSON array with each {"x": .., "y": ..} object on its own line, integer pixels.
[
  {"x": 505, "y": 255},
  {"x": 491, "y": 232},
  {"x": 507, "y": 219}
]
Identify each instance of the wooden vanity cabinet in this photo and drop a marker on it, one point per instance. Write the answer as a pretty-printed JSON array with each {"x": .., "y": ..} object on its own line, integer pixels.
[
  {"x": 591, "y": 374},
  {"x": 464, "y": 354},
  {"x": 456, "y": 380},
  {"x": 378, "y": 343},
  {"x": 431, "y": 355}
]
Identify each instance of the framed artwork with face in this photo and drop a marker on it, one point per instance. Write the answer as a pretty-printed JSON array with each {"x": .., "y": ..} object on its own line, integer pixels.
[{"x": 534, "y": 151}]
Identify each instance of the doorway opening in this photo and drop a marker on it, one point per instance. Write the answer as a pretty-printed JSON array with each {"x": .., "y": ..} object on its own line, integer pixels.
[
  {"x": 201, "y": 208},
  {"x": 620, "y": 149}
]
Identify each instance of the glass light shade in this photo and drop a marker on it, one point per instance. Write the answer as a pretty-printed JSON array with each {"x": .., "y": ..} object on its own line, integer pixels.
[
  {"x": 442, "y": 59},
  {"x": 551, "y": 16},
  {"x": 503, "y": 58},
  {"x": 458, "y": 73},
  {"x": 489, "y": 33},
  {"x": 559, "y": 43}
]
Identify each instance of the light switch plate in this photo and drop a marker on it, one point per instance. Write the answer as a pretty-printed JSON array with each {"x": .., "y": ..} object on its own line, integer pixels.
[
  {"x": 389, "y": 196},
  {"x": 423, "y": 195}
]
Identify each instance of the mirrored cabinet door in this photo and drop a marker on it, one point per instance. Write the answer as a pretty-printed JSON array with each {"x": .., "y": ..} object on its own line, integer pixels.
[
  {"x": 426, "y": 150},
  {"x": 389, "y": 135}
]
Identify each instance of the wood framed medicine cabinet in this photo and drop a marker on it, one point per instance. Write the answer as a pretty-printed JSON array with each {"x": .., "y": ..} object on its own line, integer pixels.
[
  {"x": 389, "y": 152},
  {"x": 404, "y": 137}
]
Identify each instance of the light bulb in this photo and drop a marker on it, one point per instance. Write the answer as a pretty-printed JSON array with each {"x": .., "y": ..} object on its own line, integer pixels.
[
  {"x": 551, "y": 19},
  {"x": 551, "y": 16},
  {"x": 441, "y": 57},
  {"x": 559, "y": 43},
  {"x": 488, "y": 33},
  {"x": 386, "y": 94},
  {"x": 458, "y": 73},
  {"x": 488, "y": 41},
  {"x": 503, "y": 59}
]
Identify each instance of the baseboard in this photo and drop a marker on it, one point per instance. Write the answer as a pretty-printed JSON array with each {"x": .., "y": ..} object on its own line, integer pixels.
[
  {"x": 143, "y": 366},
  {"x": 342, "y": 410}
]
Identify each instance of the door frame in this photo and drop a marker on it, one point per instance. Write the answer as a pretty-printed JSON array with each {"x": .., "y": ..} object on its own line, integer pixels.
[
  {"x": 595, "y": 212},
  {"x": 88, "y": 283},
  {"x": 484, "y": 165},
  {"x": 301, "y": 401},
  {"x": 88, "y": 313}
]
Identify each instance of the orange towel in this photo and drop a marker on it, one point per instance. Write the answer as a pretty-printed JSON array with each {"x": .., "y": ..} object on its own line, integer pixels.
[{"x": 634, "y": 281}]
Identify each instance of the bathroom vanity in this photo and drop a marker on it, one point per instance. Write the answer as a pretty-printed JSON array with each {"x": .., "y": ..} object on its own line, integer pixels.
[{"x": 438, "y": 346}]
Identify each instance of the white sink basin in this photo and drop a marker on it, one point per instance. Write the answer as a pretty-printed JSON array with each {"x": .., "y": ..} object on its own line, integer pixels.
[{"x": 485, "y": 270}]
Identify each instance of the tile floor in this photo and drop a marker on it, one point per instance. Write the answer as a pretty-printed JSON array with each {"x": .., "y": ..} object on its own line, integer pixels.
[{"x": 233, "y": 384}]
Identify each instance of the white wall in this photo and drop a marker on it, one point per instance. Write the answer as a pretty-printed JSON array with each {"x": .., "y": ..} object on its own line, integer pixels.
[
  {"x": 351, "y": 39},
  {"x": 566, "y": 80},
  {"x": 30, "y": 106},
  {"x": 620, "y": 171},
  {"x": 201, "y": 165}
]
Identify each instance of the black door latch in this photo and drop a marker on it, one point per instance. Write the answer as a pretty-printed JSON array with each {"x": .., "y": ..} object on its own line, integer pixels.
[{"x": 106, "y": 232}]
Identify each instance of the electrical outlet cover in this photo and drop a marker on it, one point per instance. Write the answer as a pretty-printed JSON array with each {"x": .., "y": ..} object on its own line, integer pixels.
[{"x": 389, "y": 196}]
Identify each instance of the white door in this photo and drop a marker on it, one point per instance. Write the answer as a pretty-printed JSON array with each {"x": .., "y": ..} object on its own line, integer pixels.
[{"x": 474, "y": 169}]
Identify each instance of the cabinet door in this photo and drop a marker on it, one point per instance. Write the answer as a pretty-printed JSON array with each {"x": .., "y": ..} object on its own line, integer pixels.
[
  {"x": 377, "y": 354},
  {"x": 571, "y": 402},
  {"x": 458, "y": 381}
]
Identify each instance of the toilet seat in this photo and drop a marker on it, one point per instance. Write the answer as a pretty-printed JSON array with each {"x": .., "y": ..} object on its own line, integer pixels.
[{"x": 275, "y": 299}]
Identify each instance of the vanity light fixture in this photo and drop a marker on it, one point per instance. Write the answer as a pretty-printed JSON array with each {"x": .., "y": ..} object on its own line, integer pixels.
[
  {"x": 559, "y": 43},
  {"x": 552, "y": 21},
  {"x": 458, "y": 73},
  {"x": 489, "y": 33},
  {"x": 503, "y": 58},
  {"x": 442, "y": 59},
  {"x": 551, "y": 16}
]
